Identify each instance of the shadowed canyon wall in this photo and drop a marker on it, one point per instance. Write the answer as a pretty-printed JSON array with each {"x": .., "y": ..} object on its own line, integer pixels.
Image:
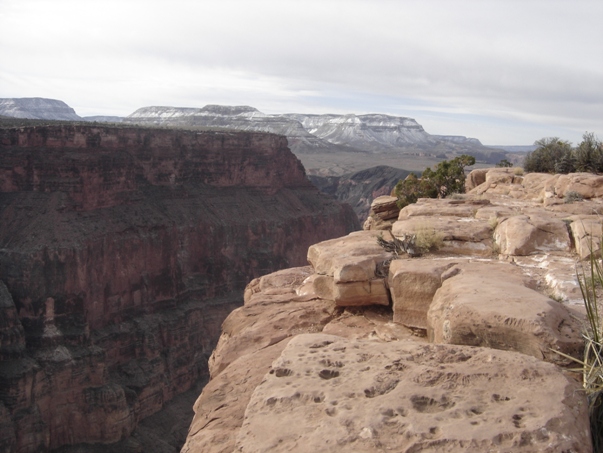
[{"x": 121, "y": 252}]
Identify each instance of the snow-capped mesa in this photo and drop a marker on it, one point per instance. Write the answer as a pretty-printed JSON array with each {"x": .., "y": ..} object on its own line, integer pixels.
[
  {"x": 309, "y": 133},
  {"x": 372, "y": 132},
  {"x": 37, "y": 108}
]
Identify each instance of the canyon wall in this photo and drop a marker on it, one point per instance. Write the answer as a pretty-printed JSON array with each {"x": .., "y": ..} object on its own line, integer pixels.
[{"x": 121, "y": 252}]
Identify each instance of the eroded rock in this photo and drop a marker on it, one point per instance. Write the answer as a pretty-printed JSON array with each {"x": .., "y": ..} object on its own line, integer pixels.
[
  {"x": 325, "y": 393},
  {"x": 348, "y": 269},
  {"x": 530, "y": 234},
  {"x": 413, "y": 284},
  {"x": 489, "y": 305}
]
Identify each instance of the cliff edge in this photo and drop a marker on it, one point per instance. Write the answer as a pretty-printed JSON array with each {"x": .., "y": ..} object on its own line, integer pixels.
[{"x": 461, "y": 349}]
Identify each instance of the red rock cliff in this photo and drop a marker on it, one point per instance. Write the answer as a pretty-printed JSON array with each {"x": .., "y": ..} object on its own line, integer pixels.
[{"x": 122, "y": 249}]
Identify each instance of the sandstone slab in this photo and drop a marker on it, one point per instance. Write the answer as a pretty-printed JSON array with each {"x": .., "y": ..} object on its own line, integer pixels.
[
  {"x": 413, "y": 283},
  {"x": 466, "y": 207},
  {"x": 489, "y": 305},
  {"x": 529, "y": 234},
  {"x": 263, "y": 324},
  {"x": 329, "y": 394},
  {"x": 348, "y": 269},
  {"x": 586, "y": 185},
  {"x": 587, "y": 232},
  {"x": 459, "y": 235},
  {"x": 350, "y": 294},
  {"x": 220, "y": 408}
]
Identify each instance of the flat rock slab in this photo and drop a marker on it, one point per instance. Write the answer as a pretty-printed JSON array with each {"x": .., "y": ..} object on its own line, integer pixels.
[
  {"x": 530, "y": 234},
  {"x": 413, "y": 284},
  {"x": 351, "y": 258},
  {"x": 443, "y": 207},
  {"x": 587, "y": 232},
  {"x": 489, "y": 305},
  {"x": 220, "y": 408},
  {"x": 461, "y": 235},
  {"x": 329, "y": 394},
  {"x": 348, "y": 270}
]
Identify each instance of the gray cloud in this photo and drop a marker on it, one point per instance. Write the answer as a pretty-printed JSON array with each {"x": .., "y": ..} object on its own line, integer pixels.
[{"x": 529, "y": 67}]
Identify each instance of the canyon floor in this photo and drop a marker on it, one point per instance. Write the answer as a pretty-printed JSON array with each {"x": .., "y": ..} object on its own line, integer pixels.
[{"x": 456, "y": 350}]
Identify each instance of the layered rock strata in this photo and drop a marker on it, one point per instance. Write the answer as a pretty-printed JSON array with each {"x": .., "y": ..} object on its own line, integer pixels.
[
  {"x": 462, "y": 357},
  {"x": 122, "y": 250}
]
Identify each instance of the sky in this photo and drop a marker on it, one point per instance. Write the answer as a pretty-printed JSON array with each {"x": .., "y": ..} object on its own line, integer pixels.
[{"x": 507, "y": 72}]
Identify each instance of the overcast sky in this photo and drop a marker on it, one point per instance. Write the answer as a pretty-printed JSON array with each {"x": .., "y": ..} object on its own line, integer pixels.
[{"x": 506, "y": 72}]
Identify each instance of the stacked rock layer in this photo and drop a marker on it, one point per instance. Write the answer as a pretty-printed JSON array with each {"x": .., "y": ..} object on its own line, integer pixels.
[{"x": 463, "y": 349}]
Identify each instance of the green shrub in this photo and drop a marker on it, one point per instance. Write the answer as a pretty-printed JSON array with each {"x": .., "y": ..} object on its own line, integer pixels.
[
  {"x": 589, "y": 154},
  {"x": 545, "y": 157},
  {"x": 554, "y": 155},
  {"x": 571, "y": 197},
  {"x": 428, "y": 239},
  {"x": 504, "y": 164},
  {"x": 448, "y": 178}
]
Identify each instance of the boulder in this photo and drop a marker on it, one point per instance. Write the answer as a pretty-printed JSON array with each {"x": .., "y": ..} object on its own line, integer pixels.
[
  {"x": 384, "y": 210},
  {"x": 534, "y": 184},
  {"x": 587, "y": 232},
  {"x": 326, "y": 393},
  {"x": 534, "y": 233},
  {"x": 413, "y": 283},
  {"x": 475, "y": 178},
  {"x": 587, "y": 185},
  {"x": 349, "y": 269},
  {"x": 489, "y": 305},
  {"x": 499, "y": 181},
  {"x": 385, "y": 207}
]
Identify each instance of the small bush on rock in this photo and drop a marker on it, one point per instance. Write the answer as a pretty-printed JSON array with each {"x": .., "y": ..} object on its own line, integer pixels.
[
  {"x": 429, "y": 239},
  {"x": 448, "y": 178},
  {"x": 571, "y": 197},
  {"x": 399, "y": 246}
]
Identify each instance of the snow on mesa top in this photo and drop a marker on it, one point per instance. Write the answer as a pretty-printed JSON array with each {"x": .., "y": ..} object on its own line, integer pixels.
[
  {"x": 37, "y": 109},
  {"x": 180, "y": 112}
]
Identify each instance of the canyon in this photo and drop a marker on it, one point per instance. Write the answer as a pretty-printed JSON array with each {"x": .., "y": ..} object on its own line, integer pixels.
[
  {"x": 464, "y": 346},
  {"x": 122, "y": 249}
]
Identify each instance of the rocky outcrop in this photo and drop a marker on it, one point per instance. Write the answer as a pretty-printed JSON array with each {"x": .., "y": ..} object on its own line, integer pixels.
[
  {"x": 383, "y": 213},
  {"x": 122, "y": 250},
  {"x": 463, "y": 357},
  {"x": 329, "y": 393}
]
